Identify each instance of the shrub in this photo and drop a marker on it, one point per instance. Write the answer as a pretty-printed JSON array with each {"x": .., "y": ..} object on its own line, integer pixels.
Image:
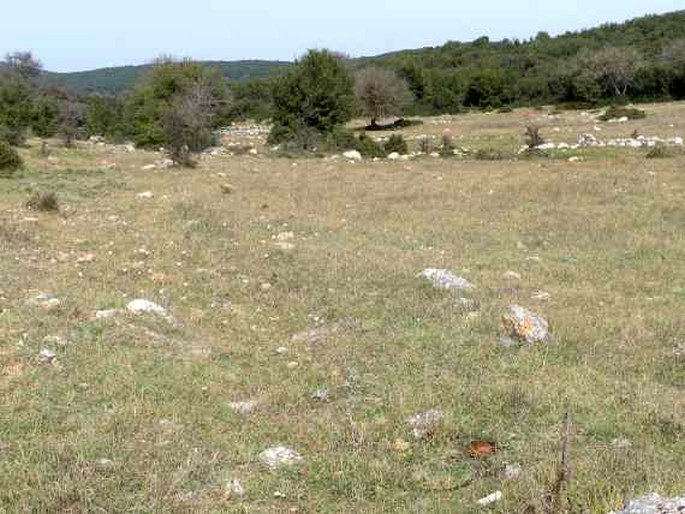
[
  {"x": 491, "y": 154},
  {"x": 10, "y": 161},
  {"x": 43, "y": 202},
  {"x": 368, "y": 147},
  {"x": 396, "y": 143},
  {"x": 615, "y": 112}
]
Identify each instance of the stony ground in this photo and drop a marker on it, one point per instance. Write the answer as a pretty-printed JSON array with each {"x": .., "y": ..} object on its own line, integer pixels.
[{"x": 297, "y": 358}]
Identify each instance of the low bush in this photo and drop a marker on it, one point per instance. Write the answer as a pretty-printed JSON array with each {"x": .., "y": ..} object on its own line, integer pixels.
[
  {"x": 10, "y": 161},
  {"x": 614, "y": 112},
  {"x": 47, "y": 202},
  {"x": 368, "y": 147},
  {"x": 396, "y": 143}
]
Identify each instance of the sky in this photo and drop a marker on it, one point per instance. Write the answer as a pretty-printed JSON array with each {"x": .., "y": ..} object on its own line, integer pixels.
[{"x": 73, "y": 35}]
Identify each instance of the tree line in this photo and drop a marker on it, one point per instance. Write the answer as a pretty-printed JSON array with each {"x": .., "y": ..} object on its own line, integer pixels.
[{"x": 178, "y": 104}]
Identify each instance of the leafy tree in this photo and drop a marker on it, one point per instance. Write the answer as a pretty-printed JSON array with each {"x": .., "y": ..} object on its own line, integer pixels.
[
  {"x": 615, "y": 69},
  {"x": 314, "y": 98},
  {"x": 165, "y": 93},
  {"x": 104, "y": 116},
  {"x": 381, "y": 93}
]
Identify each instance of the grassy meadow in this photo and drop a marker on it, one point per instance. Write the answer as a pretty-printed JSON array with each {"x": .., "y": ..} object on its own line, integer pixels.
[{"x": 335, "y": 248}]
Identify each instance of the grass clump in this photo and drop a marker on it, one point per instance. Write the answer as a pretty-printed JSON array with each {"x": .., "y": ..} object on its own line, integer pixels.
[
  {"x": 10, "y": 161},
  {"x": 658, "y": 152},
  {"x": 615, "y": 112},
  {"x": 492, "y": 154},
  {"x": 45, "y": 202}
]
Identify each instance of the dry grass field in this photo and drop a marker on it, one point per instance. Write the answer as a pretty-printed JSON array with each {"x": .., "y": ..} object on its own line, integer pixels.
[{"x": 330, "y": 252}]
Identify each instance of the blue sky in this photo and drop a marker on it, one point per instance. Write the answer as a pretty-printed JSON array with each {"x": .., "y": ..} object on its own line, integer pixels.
[{"x": 70, "y": 35}]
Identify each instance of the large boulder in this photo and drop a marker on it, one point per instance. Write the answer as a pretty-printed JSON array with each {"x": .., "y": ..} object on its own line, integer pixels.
[
  {"x": 526, "y": 326},
  {"x": 654, "y": 504}
]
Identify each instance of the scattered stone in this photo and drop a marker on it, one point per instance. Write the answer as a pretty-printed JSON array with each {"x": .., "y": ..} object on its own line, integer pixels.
[
  {"x": 106, "y": 313},
  {"x": 284, "y": 246},
  {"x": 543, "y": 296},
  {"x": 507, "y": 342},
  {"x": 165, "y": 164},
  {"x": 621, "y": 442},
  {"x": 394, "y": 156},
  {"x": 47, "y": 356},
  {"x": 103, "y": 465},
  {"x": 280, "y": 495},
  {"x": 140, "y": 306},
  {"x": 445, "y": 279},
  {"x": 243, "y": 408},
  {"x": 424, "y": 425},
  {"x": 468, "y": 304},
  {"x": 285, "y": 236},
  {"x": 282, "y": 350},
  {"x": 148, "y": 167},
  {"x": 85, "y": 258},
  {"x": 512, "y": 275},
  {"x": 654, "y": 504},
  {"x": 435, "y": 155},
  {"x": 146, "y": 195},
  {"x": 526, "y": 326},
  {"x": 266, "y": 286},
  {"x": 352, "y": 155},
  {"x": 512, "y": 471},
  {"x": 320, "y": 395},
  {"x": 55, "y": 341},
  {"x": 575, "y": 158},
  {"x": 227, "y": 189},
  {"x": 280, "y": 456},
  {"x": 235, "y": 488},
  {"x": 490, "y": 499},
  {"x": 293, "y": 364},
  {"x": 253, "y": 151},
  {"x": 45, "y": 301},
  {"x": 317, "y": 335}
]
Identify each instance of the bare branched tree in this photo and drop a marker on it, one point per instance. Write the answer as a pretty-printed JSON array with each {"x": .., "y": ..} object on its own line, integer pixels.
[
  {"x": 381, "y": 92},
  {"x": 23, "y": 64},
  {"x": 613, "y": 68}
]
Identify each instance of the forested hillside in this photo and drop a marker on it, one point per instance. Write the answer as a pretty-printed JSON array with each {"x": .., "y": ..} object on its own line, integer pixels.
[
  {"x": 114, "y": 81},
  {"x": 640, "y": 59}
]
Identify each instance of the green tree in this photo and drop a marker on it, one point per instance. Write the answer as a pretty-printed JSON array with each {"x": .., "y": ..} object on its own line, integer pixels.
[
  {"x": 160, "y": 94},
  {"x": 314, "y": 98},
  {"x": 104, "y": 116}
]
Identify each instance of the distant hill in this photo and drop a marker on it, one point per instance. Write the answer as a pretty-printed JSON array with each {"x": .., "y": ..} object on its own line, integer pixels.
[
  {"x": 484, "y": 73},
  {"x": 114, "y": 81}
]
